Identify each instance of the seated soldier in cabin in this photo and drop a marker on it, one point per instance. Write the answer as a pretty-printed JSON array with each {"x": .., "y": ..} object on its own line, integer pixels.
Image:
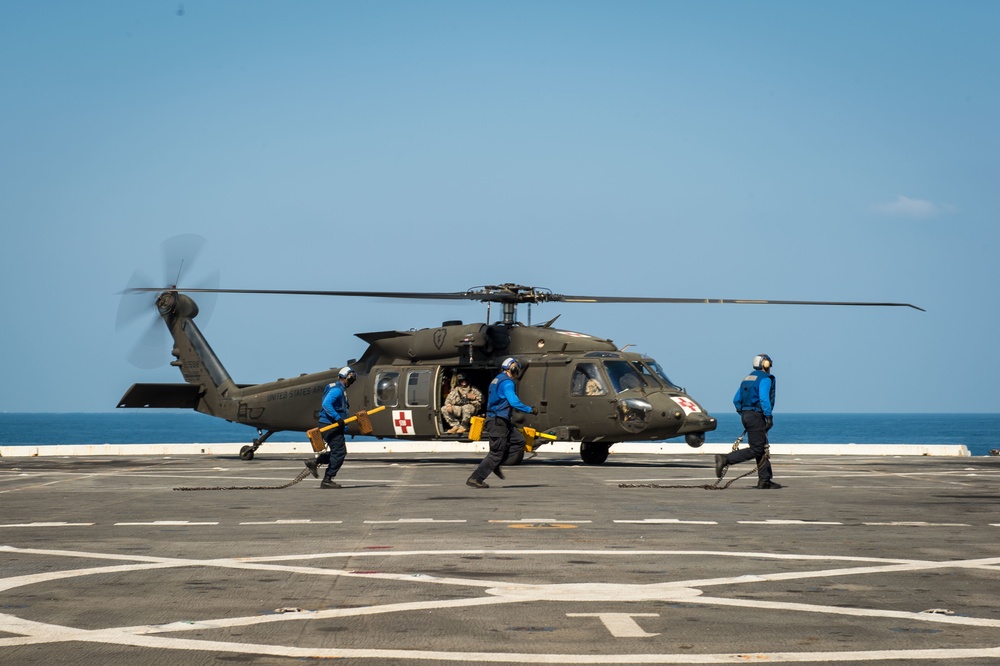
[{"x": 463, "y": 402}]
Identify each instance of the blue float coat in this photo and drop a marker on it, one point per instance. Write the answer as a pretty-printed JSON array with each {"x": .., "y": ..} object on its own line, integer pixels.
[
  {"x": 756, "y": 393},
  {"x": 334, "y": 405},
  {"x": 502, "y": 397}
]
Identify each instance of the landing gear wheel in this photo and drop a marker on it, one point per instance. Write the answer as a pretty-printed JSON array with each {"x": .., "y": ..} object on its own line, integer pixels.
[
  {"x": 246, "y": 453},
  {"x": 594, "y": 453}
]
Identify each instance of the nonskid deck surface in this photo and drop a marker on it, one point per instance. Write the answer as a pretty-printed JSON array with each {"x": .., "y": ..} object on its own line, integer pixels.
[{"x": 867, "y": 559}]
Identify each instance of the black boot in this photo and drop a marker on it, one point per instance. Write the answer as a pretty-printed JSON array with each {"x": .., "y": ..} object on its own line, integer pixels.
[
  {"x": 475, "y": 483},
  {"x": 721, "y": 463}
]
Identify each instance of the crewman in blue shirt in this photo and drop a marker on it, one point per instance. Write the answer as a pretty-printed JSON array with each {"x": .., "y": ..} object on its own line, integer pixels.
[
  {"x": 334, "y": 409},
  {"x": 754, "y": 400},
  {"x": 504, "y": 437}
]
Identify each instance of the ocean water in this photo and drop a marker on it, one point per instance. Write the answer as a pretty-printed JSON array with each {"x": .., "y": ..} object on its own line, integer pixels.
[{"x": 979, "y": 432}]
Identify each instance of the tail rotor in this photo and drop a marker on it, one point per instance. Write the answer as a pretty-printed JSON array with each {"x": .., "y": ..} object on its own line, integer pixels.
[{"x": 138, "y": 318}]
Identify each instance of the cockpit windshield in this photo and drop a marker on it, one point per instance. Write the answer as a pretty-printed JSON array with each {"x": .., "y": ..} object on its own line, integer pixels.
[
  {"x": 661, "y": 374},
  {"x": 624, "y": 376}
]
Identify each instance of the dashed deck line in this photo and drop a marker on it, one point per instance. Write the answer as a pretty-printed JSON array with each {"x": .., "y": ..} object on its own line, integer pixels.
[{"x": 513, "y": 521}]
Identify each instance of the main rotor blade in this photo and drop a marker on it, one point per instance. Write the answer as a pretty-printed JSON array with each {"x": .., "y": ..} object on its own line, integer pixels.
[
  {"x": 515, "y": 297},
  {"x": 456, "y": 296},
  {"x": 641, "y": 299}
]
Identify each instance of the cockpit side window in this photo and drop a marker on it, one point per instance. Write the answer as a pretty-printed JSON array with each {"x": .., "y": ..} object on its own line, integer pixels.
[
  {"x": 623, "y": 376},
  {"x": 587, "y": 381}
]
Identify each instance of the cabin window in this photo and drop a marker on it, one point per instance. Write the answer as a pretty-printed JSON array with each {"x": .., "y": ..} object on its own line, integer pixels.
[
  {"x": 418, "y": 388},
  {"x": 587, "y": 381},
  {"x": 387, "y": 389}
]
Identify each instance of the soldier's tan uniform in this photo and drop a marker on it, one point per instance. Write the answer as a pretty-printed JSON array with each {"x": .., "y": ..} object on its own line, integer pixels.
[{"x": 462, "y": 404}]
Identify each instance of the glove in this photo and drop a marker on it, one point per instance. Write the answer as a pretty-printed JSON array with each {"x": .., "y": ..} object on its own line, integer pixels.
[
  {"x": 340, "y": 423},
  {"x": 768, "y": 422}
]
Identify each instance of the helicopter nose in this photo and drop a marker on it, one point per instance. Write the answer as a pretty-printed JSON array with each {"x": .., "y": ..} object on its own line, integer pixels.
[{"x": 634, "y": 414}]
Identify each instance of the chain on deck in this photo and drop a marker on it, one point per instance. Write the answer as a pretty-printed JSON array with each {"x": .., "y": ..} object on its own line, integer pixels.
[
  {"x": 710, "y": 486},
  {"x": 303, "y": 474}
]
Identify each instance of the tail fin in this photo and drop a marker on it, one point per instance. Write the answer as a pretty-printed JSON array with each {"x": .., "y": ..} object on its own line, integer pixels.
[{"x": 211, "y": 387}]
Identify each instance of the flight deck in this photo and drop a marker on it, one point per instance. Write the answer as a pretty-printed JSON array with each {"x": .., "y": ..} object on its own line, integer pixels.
[{"x": 867, "y": 559}]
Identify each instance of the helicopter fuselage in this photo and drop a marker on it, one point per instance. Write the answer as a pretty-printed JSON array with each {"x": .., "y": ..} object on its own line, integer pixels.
[{"x": 583, "y": 388}]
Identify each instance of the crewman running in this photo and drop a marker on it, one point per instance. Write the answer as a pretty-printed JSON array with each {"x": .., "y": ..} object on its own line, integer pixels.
[
  {"x": 504, "y": 437},
  {"x": 333, "y": 410}
]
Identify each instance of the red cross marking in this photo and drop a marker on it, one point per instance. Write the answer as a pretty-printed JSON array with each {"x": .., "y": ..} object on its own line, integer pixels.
[
  {"x": 688, "y": 405},
  {"x": 402, "y": 422}
]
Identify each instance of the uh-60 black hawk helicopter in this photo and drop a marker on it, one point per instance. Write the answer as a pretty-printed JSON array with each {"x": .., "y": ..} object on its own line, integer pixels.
[{"x": 586, "y": 390}]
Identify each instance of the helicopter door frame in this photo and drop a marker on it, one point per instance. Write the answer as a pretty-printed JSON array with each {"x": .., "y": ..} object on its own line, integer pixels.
[
  {"x": 408, "y": 395},
  {"x": 479, "y": 378}
]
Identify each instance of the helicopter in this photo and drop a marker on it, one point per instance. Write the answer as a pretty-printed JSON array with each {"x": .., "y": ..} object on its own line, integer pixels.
[{"x": 585, "y": 389}]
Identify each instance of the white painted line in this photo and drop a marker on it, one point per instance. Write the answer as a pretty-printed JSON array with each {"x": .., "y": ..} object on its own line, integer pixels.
[
  {"x": 54, "y": 524},
  {"x": 621, "y": 625},
  {"x": 289, "y": 521},
  {"x": 162, "y": 523},
  {"x": 541, "y": 520},
  {"x": 411, "y": 520},
  {"x": 917, "y": 523},
  {"x": 667, "y": 521},
  {"x": 773, "y": 521}
]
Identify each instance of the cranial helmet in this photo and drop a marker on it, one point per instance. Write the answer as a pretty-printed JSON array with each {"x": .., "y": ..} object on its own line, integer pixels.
[
  {"x": 762, "y": 362},
  {"x": 511, "y": 365},
  {"x": 459, "y": 377},
  {"x": 348, "y": 375}
]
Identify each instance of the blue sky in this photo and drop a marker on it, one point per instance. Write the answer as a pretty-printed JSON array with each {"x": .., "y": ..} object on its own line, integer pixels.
[{"x": 778, "y": 150}]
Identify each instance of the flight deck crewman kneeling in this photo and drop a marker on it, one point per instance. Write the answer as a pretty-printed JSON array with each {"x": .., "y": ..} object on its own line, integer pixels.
[
  {"x": 504, "y": 437},
  {"x": 754, "y": 400},
  {"x": 333, "y": 410}
]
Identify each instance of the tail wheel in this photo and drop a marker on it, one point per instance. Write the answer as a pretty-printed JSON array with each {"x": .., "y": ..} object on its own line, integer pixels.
[
  {"x": 246, "y": 453},
  {"x": 594, "y": 453}
]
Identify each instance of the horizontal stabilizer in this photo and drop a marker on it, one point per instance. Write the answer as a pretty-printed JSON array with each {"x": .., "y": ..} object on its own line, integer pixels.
[{"x": 168, "y": 396}]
